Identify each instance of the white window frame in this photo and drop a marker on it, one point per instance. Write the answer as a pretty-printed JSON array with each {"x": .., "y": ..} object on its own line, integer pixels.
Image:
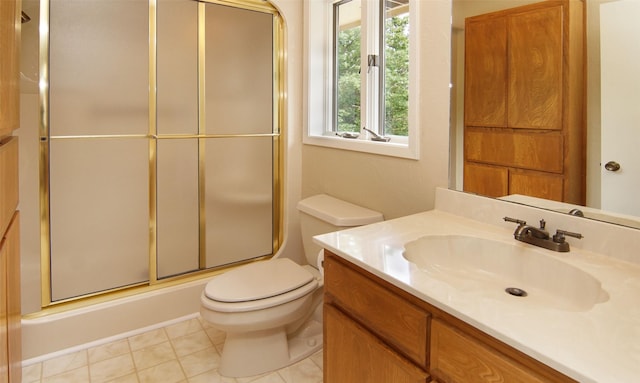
[{"x": 318, "y": 24}]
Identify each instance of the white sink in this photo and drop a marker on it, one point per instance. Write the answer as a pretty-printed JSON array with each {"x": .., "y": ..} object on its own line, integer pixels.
[{"x": 488, "y": 267}]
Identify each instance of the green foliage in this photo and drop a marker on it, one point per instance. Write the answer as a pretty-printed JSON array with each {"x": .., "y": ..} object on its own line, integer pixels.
[
  {"x": 396, "y": 78},
  {"x": 349, "y": 80}
]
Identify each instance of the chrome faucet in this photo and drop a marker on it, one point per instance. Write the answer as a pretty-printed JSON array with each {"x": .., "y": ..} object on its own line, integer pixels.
[{"x": 540, "y": 237}]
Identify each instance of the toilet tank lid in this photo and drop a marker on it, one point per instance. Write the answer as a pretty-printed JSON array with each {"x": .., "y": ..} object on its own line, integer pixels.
[
  {"x": 338, "y": 212},
  {"x": 258, "y": 280}
]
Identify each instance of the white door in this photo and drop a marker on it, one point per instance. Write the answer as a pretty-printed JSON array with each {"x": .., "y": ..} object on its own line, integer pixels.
[{"x": 620, "y": 77}]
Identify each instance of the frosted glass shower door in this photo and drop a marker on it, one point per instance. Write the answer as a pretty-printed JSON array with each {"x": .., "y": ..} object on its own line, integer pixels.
[
  {"x": 178, "y": 246},
  {"x": 98, "y": 146},
  {"x": 239, "y": 99}
]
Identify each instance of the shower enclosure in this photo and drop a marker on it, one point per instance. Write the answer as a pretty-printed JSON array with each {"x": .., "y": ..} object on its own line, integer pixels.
[{"x": 160, "y": 140}]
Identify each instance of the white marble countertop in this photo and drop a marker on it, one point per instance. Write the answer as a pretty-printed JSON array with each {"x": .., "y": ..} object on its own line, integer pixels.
[{"x": 601, "y": 344}]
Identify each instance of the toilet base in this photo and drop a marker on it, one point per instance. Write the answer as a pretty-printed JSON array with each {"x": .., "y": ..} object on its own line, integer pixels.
[{"x": 248, "y": 354}]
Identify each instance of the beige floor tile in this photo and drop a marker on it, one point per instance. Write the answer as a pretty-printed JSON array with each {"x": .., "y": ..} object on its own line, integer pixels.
[
  {"x": 32, "y": 373},
  {"x": 108, "y": 351},
  {"x": 191, "y": 343},
  {"x": 131, "y": 378},
  {"x": 153, "y": 355},
  {"x": 216, "y": 336},
  {"x": 318, "y": 358},
  {"x": 168, "y": 372},
  {"x": 147, "y": 339},
  {"x": 183, "y": 328},
  {"x": 211, "y": 377},
  {"x": 64, "y": 363},
  {"x": 270, "y": 378},
  {"x": 200, "y": 362},
  {"x": 253, "y": 378},
  {"x": 186, "y": 352},
  {"x": 305, "y": 371},
  {"x": 78, "y": 375},
  {"x": 111, "y": 369}
]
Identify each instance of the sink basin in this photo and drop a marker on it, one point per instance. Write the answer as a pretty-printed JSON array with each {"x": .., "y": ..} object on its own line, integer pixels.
[{"x": 488, "y": 267}]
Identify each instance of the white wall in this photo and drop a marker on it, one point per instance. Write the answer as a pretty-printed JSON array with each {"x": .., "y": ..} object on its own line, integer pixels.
[{"x": 396, "y": 186}]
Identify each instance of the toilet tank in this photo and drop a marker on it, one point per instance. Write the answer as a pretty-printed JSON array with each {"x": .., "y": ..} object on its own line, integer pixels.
[{"x": 322, "y": 213}]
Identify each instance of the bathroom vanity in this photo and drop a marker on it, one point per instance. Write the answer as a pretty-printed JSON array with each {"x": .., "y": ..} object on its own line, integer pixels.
[
  {"x": 375, "y": 331},
  {"x": 391, "y": 316}
]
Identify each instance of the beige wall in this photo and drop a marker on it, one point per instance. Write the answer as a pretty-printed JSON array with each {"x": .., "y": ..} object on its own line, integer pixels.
[{"x": 396, "y": 186}]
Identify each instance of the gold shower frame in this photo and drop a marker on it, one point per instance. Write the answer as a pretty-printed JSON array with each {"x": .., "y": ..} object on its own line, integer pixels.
[{"x": 279, "y": 127}]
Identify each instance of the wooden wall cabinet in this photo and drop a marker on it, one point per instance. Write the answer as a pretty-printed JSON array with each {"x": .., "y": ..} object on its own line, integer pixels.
[
  {"x": 10, "y": 308},
  {"x": 524, "y": 102},
  {"x": 375, "y": 332}
]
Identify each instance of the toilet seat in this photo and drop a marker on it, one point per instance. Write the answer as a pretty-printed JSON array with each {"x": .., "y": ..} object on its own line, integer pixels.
[{"x": 253, "y": 287}]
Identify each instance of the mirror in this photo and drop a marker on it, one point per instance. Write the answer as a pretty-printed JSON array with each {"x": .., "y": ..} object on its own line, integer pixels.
[{"x": 597, "y": 75}]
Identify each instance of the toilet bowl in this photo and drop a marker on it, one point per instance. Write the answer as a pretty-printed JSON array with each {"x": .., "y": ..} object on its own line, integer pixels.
[{"x": 271, "y": 310}]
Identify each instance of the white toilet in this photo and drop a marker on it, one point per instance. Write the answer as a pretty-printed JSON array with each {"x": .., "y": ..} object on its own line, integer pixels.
[{"x": 271, "y": 310}]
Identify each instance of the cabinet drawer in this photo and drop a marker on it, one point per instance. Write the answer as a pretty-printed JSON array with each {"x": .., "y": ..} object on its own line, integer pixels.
[
  {"x": 399, "y": 323},
  {"x": 459, "y": 358},
  {"x": 8, "y": 180},
  {"x": 506, "y": 147}
]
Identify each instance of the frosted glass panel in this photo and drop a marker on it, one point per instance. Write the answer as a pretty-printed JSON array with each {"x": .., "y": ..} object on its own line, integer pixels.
[
  {"x": 177, "y": 76},
  {"x": 178, "y": 218},
  {"x": 238, "y": 199},
  {"x": 99, "y": 65},
  {"x": 99, "y": 215},
  {"x": 239, "y": 71}
]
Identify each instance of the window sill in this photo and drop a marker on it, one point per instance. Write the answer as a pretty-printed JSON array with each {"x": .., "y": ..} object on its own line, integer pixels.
[{"x": 397, "y": 147}]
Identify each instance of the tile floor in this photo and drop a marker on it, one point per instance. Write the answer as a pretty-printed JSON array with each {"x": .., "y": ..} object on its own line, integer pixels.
[{"x": 185, "y": 352}]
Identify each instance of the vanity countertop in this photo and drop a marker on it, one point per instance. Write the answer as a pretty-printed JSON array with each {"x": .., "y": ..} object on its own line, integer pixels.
[{"x": 601, "y": 344}]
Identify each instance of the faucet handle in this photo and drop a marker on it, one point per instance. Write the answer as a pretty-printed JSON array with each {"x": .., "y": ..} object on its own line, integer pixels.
[
  {"x": 558, "y": 237},
  {"x": 515, "y": 220}
]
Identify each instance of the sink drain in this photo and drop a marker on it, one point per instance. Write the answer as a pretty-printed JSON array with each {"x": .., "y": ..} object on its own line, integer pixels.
[{"x": 516, "y": 292}]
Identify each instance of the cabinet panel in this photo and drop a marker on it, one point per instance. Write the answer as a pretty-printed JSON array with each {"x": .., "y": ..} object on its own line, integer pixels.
[
  {"x": 8, "y": 180},
  {"x": 535, "y": 69},
  {"x": 541, "y": 185},
  {"x": 536, "y": 151},
  {"x": 486, "y": 73},
  {"x": 393, "y": 319},
  {"x": 458, "y": 358},
  {"x": 369, "y": 360},
  {"x": 13, "y": 304},
  {"x": 9, "y": 67},
  {"x": 486, "y": 180},
  {"x": 4, "y": 339}
]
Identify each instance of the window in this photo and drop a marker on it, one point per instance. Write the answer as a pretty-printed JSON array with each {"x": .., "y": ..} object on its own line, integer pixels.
[
  {"x": 364, "y": 101},
  {"x": 384, "y": 60}
]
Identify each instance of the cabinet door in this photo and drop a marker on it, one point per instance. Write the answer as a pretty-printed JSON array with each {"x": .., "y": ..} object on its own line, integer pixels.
[
  {"x": 486, "y": 73},
  {"x": 11, "y": 248},
  {"x": 8, "y": 181},
  {"x": 353, "y": 354},
  {"x": 4, "y": 361},
  {"x": 535, "y": 69},
  {"x": 492, "y": 181},
  {"x": 10, "y": 67}
]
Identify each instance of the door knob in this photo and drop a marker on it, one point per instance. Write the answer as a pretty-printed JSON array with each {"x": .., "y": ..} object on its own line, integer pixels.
[{"x": 612, "y": 166}]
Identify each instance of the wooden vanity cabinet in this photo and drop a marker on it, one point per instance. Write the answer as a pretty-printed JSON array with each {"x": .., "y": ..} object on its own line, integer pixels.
[
  {"x": 10, "y": 308},
  {"x": 524, "y": 129},
  {"x": 376, "y": 332}
]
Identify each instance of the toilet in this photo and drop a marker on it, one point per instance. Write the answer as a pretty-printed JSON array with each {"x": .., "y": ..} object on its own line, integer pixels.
[{"x": 271, "y": 310}]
